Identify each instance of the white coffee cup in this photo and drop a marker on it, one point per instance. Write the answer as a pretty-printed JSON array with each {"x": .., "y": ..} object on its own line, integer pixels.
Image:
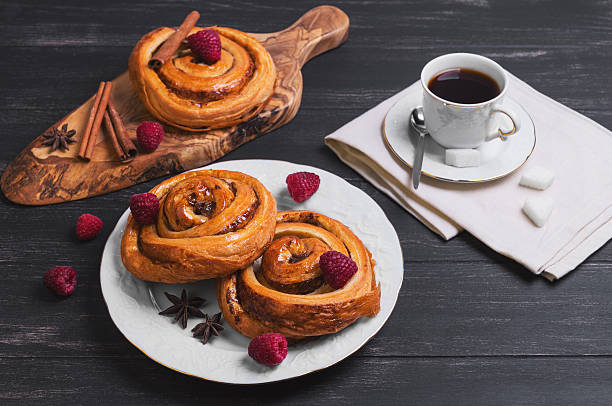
[{"x": 456, "y": 125}]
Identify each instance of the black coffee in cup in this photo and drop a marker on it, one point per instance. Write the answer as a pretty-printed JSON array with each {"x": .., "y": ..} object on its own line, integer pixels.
[{"x": 465, "y": 86}]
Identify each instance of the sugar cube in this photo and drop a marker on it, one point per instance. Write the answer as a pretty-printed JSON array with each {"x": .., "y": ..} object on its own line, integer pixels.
[
  {"x": 538, "y": 209},
  {"x": 462, "y": 158},
  {"x": 537, "y": 177}
]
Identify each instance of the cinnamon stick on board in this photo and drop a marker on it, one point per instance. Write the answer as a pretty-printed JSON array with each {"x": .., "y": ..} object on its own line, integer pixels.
[
  {"x": 113, "y": 136},
  {"x": 95, "y": 128},
  {"x": 127, "y": 146},
  {"x": 92, "y": 116},
  {"x": 168, "y": 48}
]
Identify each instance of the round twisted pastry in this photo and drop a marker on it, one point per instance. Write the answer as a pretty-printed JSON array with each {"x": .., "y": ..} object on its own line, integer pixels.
[
  {"x": 210, "y": 224},
  {"x": 195, "y": 96},
  {"x": 287, "y": 294}
]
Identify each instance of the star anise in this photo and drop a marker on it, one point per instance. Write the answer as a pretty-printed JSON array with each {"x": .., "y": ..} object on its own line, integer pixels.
[
  {"x": 183, "y": 307},
  {"x": 212, "y": 325},
  {"x": 59, "y": 138}
]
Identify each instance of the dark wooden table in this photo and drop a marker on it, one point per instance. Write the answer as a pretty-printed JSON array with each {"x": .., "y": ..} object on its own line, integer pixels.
[{"x": 470, "y": 326}]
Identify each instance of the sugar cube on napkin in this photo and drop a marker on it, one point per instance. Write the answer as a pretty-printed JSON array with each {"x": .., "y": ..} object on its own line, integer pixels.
[
  {"x": 538, "y": 209},
  {"x": 462, "y": 158},
  {"x": 537, "y": 177}
]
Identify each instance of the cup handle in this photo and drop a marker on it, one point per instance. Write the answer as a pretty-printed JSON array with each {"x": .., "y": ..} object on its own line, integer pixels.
[{"x": 501, "y": 133}]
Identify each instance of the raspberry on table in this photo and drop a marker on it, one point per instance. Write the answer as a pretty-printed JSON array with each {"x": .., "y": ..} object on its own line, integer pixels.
[
  {"x": 337, "y": 268},
  {"x": 206, "y": 45},
  {"x": 61, "y": 280},
  {"x": 268, "y": 349},
  {"x": 149, "y": 135},
  {"x": 88, "y": 227},
  {"x": 144, "y": 208},
  {"x": 302, "y": 185}
]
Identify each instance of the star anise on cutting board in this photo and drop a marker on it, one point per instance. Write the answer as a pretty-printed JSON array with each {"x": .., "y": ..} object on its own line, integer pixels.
[
  {"x": 183, "y": 307},
  {"x": 59, "y": 138},
  {"x": 212, "y": 326}
]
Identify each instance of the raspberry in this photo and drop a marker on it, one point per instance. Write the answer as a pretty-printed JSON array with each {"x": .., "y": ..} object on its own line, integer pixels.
[
  {"x": 302, "y": 185},
  {"x": 88, "y": 226},
  {"x": 268, "y": 349},
  {"x": 61, "y": 280},
  {"x": 337, "y": 268},
  {"x": 149, "y": 134},
  {"x": 144, "y": 208},
  {"x": 206, "y": 45}
]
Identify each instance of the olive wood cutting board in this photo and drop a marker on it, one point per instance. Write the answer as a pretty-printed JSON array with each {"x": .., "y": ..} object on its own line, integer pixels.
[{"x": 38, "y": 176}]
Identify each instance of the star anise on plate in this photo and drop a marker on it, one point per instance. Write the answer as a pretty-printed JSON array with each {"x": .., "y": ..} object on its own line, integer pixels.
[
  {"x": 183, "y": 307},
  {"x": 211, "y": 326},
  {"x": 59, "y": 138}
]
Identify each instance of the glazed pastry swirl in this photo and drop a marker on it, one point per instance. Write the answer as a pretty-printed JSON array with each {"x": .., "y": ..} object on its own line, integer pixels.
[
  {"x": 197, "y": 96},
  {"x": 287, "y": 294},
  {"x": 210, "y": 224}
]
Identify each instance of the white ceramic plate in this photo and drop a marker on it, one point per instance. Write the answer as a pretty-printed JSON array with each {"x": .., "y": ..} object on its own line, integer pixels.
[
  {"x": 133, "y": 304},
  {"x": 498, "y": 158}
]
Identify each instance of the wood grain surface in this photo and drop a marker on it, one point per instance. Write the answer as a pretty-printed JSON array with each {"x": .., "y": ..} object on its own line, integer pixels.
[
  {"x": 40, "y": 176},
  {"x": 470, "y": 327}
]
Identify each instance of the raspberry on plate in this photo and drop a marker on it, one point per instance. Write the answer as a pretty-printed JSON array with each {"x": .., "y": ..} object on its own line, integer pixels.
[
  {"x": 302, "y": 185},
  {"x": 206, "y": 45},
  {"x": 144, "y": 208},
  {"x": 149, "y": 135},
  {"x": 268, "y": 349},
  {"x": 337, "y": 268},
  {"x": 61, "y": 280},
  {"x": 88, "y": 227}
]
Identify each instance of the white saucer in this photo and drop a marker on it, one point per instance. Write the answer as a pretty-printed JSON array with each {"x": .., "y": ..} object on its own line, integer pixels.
[
  {"x": 498, "y": 158},
  {"x": 133, "y": 304}
]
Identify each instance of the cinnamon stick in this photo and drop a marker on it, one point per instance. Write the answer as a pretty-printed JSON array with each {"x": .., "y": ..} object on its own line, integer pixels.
[
  {"x": 95, "y": 128},
  {"x": 127, "y": 146},
  {"x": 168, "y": 48},
  {"x": 92, "y": 115},
  {"x": 113, "y": 136}
]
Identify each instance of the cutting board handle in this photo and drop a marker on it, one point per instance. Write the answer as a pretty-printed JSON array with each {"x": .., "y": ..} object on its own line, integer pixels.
[{"x": 319, "y": 30}]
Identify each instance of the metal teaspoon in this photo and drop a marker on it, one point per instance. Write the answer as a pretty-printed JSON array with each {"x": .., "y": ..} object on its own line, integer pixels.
[{"x": 417, "y": 121}]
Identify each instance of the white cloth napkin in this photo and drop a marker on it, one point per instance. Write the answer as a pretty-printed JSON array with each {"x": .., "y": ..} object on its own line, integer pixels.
[{"x": 575, "y": 147}]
